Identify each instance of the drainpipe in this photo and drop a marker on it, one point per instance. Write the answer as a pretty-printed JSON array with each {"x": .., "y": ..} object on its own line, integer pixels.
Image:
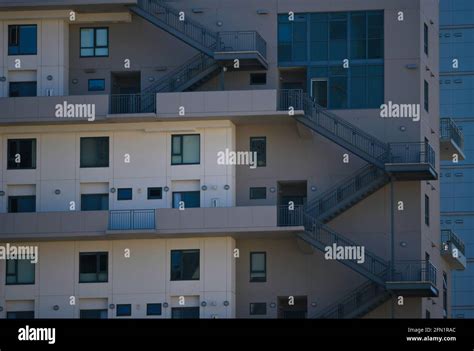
[{"x": 222, "y": 78}]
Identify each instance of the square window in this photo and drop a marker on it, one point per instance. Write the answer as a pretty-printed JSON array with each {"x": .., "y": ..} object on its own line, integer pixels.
[
  {"x": 94, "y": 42},
  {"x": 155, "y": 193},
  {"x": 185, "y": 265},
  {"x": 21, "y": 153},
  {"x": 153, "y": 309},
  {"x": 185, "y": 149},
  {"x": 20, "y": 272},
  {"x": 258, "y": 78},
  {"x": 94, "y": 152},
  {"x": 258, "y": 309},
  {"x": 124, "y": 310},
  {"x": 259, "y": 193},
  {"x": 96, "y": 84},
  {"x": 22, "y": 39},
  {"x": 124, "y": 194},
  {"x": 93, "y": 267}
]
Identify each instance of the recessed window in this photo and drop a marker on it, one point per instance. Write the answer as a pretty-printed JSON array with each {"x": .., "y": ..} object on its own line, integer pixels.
[
  {"x": 22, "y": 89},
  {"x": 186, "y": 199},
  {"x": 22, "y": 39},
  {"x": 153, "y": 309},
  {"x": 21, "y": 154},
  {"x": 258, "y": 193},
  {"x": 426, "y": 37},
  {"x": 427, "y": 210},
  {"x": 94, "y": 42},
  {"x": 427, "y": 96},
  {"x": 20, "y": 204},
  {"x": 185, "y": 149},
  {"x": 185, "y": 313},
  {"x": 94, "y": 152},
  {"x": 93, "y": 267},
  {"x": 258, "y": 267},
  {"x": 21, "y": 315},
  {"x": 259, "y": 146},
  {"x": 258, "y": 309},
  {"x": 185, "y": 265},
  {"x": 258, "y": 78},
  {"x": 96, "y": 85},
  {"x": 124, "y": 194},
  {"x": 94, "y": 202},
  {"x": 124, "y": 310},
  {"x": 93, "y": 314},
  {"x": 155, "y": 193},
  {"x": 20, "y": 272}
]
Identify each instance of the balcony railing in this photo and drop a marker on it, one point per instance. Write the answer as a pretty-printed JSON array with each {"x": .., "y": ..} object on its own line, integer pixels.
[
  {"x": 414, "y": 271},
  {"x": 449, "y": 237},
  {"x": 132, "y": 219},
  {"x": 290, "y": 217},
  {"x": 415, "y": 152},
  {"x": 132, "y": 103},
  {"x": 239, "y": 41},
  {"x": 449, "y": 130}
]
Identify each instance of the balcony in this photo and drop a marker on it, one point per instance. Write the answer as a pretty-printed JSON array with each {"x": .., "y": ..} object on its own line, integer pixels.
[
  {"x": 246, "y": 46},
  {"x": 451, "y": 140},
  {"x": 453, "y": 249},
  {"x": 132, "y": 103},
  {"x": 132, "y": 220},
  {"x": 412, "y": 161},
  {"x": 290, "y": 217},
  {"x": 413, "y": 278}
]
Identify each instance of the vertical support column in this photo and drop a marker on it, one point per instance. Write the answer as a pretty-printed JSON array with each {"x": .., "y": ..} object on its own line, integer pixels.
[{"x": 392, "y": 241}]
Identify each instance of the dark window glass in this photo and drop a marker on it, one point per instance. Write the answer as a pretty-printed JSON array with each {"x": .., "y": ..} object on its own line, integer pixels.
[
  {"x": 21, "y": 153},
  {"x": 93, "y": 314},
  {"x": 124, "y": 194},
  {"x": 258, "y": 309},
  {"x": 155, "y": 193},
  {"x": 375, "y": 35},
  {"x": 94, "y": 152},
  {"x": 94, "y": 202},
  {"x": 93, "y": 267},
  {"x": 427, "y": 96},
  {"x": 185, "y": 313},
  {"x": 185, "y": 149},
  {"x": 427, "y": 210},
  {"x": 22, "y": 89},
  {"x": 18, "y": 204},
  {"x": 358, "y": 41},
  {"x": 258, "y": 193},
  {"x": 426, "y": 37},
  {"x": 96, "y": 85},
  {"x": 258, "y": 78},
  {"x": 258, "y": 267},
  {"x": 190, "y": 198},
  {"x": 338, "y": 92},
  {"x": 184, "y": 264},
  {"x": 22, "y": 39},
  {"x": 124, "y": 310},
  {"x": 20, "y": 272},
  {"x": 153, "y": 309},
  {"x": 428, "y": 314},
  {"x": 94, "y": 42},
  {"x": 259, "y": 145},
  {"x": 319, "y": 91},
  {"x": 21, "y": 315},
  {"x": 338, "y": 40}
]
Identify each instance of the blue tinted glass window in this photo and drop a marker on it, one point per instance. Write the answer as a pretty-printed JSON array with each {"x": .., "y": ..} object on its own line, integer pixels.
[
  {"x": 153, "y": 309},
  {"x": 96, "y": 85},
  {"x": 22, "y": 39},
  {"x": 22, "y": 89},
  {"x": 124, "y": 194},
  {"x": 124, "y": 310}
]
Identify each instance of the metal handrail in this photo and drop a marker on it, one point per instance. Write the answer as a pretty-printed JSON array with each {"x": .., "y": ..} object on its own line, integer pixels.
[
  {"x": 288, "y": 217},
  {"x": 448, "y": 129},
  {"x": 412, "y": 152},
  {"x": 249, "y": 40},
  {"x": 132, "y": 103},
  {"x": 449, "y": 237},
  {"x": 414, "y": 271},
  {"x": 131, "y": 219}
]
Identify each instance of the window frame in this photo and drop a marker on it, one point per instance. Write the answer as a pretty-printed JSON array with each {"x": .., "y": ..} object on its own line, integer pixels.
[
  {"x": 32, "y": 197},
  {"x": 19, "y": 39},
  {"x": 81, "y": 162},
  {"x": 29, "y": 82},
  {"x": 257, "y": 198},
  {"x": 258, "y": 280},
  {"x": 426, "y": 96},
  {"x": 173, "y": 204},
  {"x": 15, "y": 261},
  {"x": 426, "y": 38},
  {"x": 181, "y": 154},
  {"x": 97, "y": 254},
  {"x": 181, "y": 279},
  {"x": 95, "y": 46},
  {"x": 257, "y": 74},
  {"x": 427, "y": 210},
  {"x": 149, "y": 189},
  {"x": 257, "y": 303},
  {"x": 128, "y": 313},
  {"x": 34, "y": 152},
  {"x": 148, "y": 305},
  {"x": 124, "y": 189},
  {"x": 256, "y": 138},
  {"x": 95, "y": 80},
  {"x": 103, "y": 194}
]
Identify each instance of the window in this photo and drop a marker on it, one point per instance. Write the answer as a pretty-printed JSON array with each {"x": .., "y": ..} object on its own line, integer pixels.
[
  {"x": 258, "y": 309},
  {"x": 259, "y": 193},
  {"x": 20, "y": 204},
  {"x": 21, "y": 153},
  {"x": 427, "y": 96},
  {"x": 94, "y": 152},
  {"x": 185, "y": 313},
  {"x": 184, "y": 264},
  {"x": 20, "y": 272},
  {"x": 259, "y": 145},
  {"x": 319, "y": 91},
  {"x": 190, "y": 199},
  {"x": 185, "y": 149},
  {"x": 93, "y": 314},
  {"x": 427, "y": 210},
  {"x": 124, "y": 194},
  {"x": 93, "y": 267},
  {"x": 22, "y": 39},
  {"x": 96, "y": 85},
  {"x": 155, "y": 193},
  {"x": 445, "y": 294},
  {"x": 22, "y": 89},
  {"x": 426, "y": 38},
  {"x": 21, "y": 315},
  {"x": 124, "y": 310},
  {"x": 258, "y": 267},
  {"x": 94, "y": 42},
  {"x": 258, "y": 78},
  {"x": 94, "y": 202},
  {"x": 153, "y": 309}
]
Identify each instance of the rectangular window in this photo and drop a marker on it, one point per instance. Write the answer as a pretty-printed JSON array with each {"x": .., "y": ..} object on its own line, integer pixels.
[
  {"x": 258, "y": 309},
  {"x": 93, "y": 267},
  {"x": 94, "y": 152},
  {"x": 155, "y": 193},
  {"x": 427, "y": 210},
  {"x": 153, "y": 309},
  {"x": 190, "y": 199},
  {"x": 22, "y": 89},
  {"x": 319, "y": 91},
  {"x": 259, "y": 193},
  {"x": 96, "y": 85},
  {"x": 185, "y": 313},
  {"x": 20, "y": 204},
  {"x": 20, "y": 272},
  {"x": 259, "y": 145},
  {"x": 93, "y": 314},
  {"x": 124, "y": 194},
  {"x": 22, "y": 39},
  {"x": 258, "y": 267},
  {"x": 124, "y": 310},
  {"x": 21, "y": 315},
  {"x": 427, "y": 96},
  {"x": 94, "y": 202},
  {"x": 184, "y": 265},
  {"x": 21, "y": 153},
  {"x": 426, "y": 38},
  {"x": 258, "y": 78},
  {"x": 94, "y": 42},
  {"x": 185, "y": 149}
]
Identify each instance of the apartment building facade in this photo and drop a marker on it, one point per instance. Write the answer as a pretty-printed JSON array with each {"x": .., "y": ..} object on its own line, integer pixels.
[
  {"x": 115, "y": 117},
  {"x": 456, "y": 90}
]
